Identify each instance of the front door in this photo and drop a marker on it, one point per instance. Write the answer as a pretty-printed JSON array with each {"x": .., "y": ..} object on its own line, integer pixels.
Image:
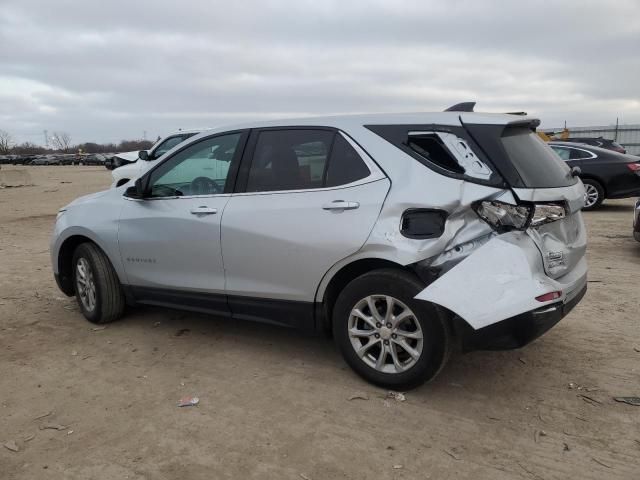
[
  {"x": 309, "y": 200},
  {"x": 170, "y": 241}
]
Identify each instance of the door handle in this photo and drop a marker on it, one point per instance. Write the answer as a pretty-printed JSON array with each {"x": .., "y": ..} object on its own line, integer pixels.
[
  {"x": 340, "y": 205},
  {"x": 203, "y": 210}
]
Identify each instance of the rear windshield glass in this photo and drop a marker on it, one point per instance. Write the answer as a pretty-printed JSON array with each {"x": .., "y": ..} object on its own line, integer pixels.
[{"x": 537, "y": 164}]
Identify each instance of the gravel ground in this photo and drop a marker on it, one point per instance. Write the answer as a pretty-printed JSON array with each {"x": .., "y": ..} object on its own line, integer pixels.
[{"x": 276, "y": 404}]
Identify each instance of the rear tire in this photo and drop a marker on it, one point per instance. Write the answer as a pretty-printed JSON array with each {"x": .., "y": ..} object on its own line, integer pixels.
[
  {"x": 594, "y": 194},
  {"x": 96, "y": 285},
  {"x": 410, "y": 335}
]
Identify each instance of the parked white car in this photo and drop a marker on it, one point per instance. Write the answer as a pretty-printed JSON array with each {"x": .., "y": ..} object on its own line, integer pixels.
[
  {"x": 404, "y": 235},
  {"x": 134, "y": 164}
]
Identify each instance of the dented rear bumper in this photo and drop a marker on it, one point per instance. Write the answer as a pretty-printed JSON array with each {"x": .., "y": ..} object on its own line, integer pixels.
[
  {"x": 493, "y": 292},
  {"x": 518, "y": 331}
]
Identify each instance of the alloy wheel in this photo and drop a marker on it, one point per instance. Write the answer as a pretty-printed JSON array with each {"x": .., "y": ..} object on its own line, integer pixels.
[
  {"x": 85, "y": 284},
  {"x": 385, "y": 334},
  {"x": 590, "y": 195}
]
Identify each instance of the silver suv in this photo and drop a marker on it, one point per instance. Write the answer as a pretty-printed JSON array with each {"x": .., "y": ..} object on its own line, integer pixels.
[{"x": 404, "y": 235}]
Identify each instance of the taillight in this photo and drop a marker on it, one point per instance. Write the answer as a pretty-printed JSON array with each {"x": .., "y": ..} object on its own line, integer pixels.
[
  {"x": 504, "y": 216},
  {"x": 634, "y": 167},
  {"x": 547, "y": 297}
]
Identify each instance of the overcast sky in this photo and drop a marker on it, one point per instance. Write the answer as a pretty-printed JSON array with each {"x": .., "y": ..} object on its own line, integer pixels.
[{"x": 108, "y": 70}]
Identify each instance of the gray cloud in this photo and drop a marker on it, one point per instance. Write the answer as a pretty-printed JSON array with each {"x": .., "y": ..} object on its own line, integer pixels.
[{"x": 111, "y": 71}]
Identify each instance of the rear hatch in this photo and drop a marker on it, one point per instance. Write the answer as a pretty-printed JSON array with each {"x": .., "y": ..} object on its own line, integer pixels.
[{"x": 537, "y": 176}]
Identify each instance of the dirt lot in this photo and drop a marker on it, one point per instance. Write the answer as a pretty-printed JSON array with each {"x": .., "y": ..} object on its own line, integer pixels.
[{"x": 275, "y": 403}]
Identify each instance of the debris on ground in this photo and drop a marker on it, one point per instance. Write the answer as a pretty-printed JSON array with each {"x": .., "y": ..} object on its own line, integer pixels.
[
  {"x": 636, "y": 349},
  {"x": 304, "y": 477},
  {"x": 398, "y": 397},
  {"x": 98, "y": 329},
  {"x": 28, "y": 438},
  {"x": 359, "y": 396},
  {"x": 188, "y": 401},
  {"x": 181, "y": 332},
  {"x": 397, "y": 467},
  {"x": 601, "y": 462},
  {"x": 566, "y": 447},
  {"x": 12, "y": 445},
  {"x": 156, "y": 324},
  {"x": 537, "y": 434},
  {"x": 575, "y": 386},
  {"x": 74, "y": 353},
  {"x": 452, "y": 454},
  {"x": 52, "y": 426},
  {"x": 635, "y": 401},
  {"x": 44, "y": 415},
  {"x": 522, "y": 360},
  {"x": 589, "y": 400}
]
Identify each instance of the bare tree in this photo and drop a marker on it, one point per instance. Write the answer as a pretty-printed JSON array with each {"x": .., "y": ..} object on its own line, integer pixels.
[
  {"x": 61, "y": 141},
  {"x": 6, "y": 142}
]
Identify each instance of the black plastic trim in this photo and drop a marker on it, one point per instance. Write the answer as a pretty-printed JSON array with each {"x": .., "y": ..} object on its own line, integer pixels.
[
  {"x": 398, "y": 136},
  {"x": 436, "y": 220},
  {"x": 287, "y": 313}
]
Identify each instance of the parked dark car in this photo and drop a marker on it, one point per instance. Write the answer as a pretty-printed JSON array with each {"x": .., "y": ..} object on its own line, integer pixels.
[
  {"x": 605, "y": 173},
  {"x": 598, "y": 142}
]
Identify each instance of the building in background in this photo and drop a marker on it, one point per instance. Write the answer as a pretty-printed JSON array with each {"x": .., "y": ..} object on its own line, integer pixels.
[{"x": 626, "y": 135}]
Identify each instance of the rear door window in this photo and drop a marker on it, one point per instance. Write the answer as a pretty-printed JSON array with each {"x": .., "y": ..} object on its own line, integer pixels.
[
  {"x": 303, "y": 159},
  {"x": 562, "y": 152}
]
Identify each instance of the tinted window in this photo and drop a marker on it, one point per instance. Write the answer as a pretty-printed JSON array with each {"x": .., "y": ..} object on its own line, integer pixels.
[
  {"x": 200, "y": 169},
  {"x": 562, "y": 152},
  {"x": 345, "y": 165},
  {"x": 578, "y": 154},
  {"x": 169, "y": 143},
  {"x": 431, "y": 148},
  {"x": 289, "y": 160},
  {"x": 534, "y": 161}
]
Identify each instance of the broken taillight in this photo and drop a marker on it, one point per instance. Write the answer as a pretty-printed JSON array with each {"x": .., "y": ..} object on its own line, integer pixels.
[
  {"x": 547, "y": 297},
  {"x": 504, "y": 216}
]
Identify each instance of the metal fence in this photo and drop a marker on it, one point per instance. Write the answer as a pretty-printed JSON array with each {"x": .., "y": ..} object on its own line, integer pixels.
[{"x": 626, "y": 135}]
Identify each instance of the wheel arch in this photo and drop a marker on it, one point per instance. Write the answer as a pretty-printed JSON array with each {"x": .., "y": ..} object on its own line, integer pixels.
[
  {"x": 65, "y": 260},
  {"x": 595, "y": 178},
  {"x": 333, "y": 283}
]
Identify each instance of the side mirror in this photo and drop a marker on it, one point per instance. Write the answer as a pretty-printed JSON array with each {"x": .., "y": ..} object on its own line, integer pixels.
[
  {"x": 143, "y": 155},
  {"x": 136, "y": 190},
  {"x": 576, "y": 171}
]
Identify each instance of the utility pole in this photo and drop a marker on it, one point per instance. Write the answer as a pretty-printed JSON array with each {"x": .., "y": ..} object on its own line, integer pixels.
[
  {"x": 144, "y": 134},
  {"x": 615, "y": 135},
  {"x": 46, "y": 139}
]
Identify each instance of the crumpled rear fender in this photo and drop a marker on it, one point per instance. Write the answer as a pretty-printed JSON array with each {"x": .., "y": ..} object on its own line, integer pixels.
[{"x": 501, "y": 279}]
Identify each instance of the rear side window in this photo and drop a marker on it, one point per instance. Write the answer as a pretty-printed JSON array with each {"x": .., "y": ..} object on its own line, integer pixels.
[
  {"x": 431, "y": 148},
  {"x": 301, "y": 159},
  {"x": 579, "y": 154},
  {"x": 345, "y": 165},
  {"x": 562, "y": 152},
  {"x": 535, "y": 162}
]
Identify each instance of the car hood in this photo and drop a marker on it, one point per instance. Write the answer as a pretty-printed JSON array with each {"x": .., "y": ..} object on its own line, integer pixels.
[
  {"x": 128, "y": 156},
  {"x": 86, "y": 199}
]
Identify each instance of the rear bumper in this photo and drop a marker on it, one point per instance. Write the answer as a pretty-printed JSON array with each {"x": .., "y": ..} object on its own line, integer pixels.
[{"x": 517, "y": 331}]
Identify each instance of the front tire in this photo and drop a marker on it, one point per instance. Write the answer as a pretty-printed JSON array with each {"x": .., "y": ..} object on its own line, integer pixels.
[
  {"x": 594, "y": 194},
  {"x": 386, "y": 336},
  {"x": 96, "y": 285}
]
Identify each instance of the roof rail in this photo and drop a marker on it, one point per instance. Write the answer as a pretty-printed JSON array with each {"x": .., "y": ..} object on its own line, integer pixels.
[
  {"x": 524, "y": 114},
  {"x": 462, "y": 107}
]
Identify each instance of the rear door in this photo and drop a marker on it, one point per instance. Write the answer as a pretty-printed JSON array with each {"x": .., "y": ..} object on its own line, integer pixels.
[{"x": 308, "y": 198}]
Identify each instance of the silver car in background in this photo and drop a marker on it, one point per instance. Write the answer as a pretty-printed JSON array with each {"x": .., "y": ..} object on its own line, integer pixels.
[{"x": 406, "y": 235}]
